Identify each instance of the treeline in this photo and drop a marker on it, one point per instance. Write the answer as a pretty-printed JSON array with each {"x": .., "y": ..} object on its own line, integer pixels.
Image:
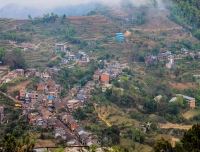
[
  {"x": 14, "y": 36},
  {"x": 47, "y": 18},
  {"x": 187, "y": 14}
]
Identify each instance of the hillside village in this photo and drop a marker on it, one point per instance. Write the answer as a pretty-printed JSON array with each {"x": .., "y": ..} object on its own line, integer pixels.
[
  {"x": 117, "y": 76},
  {"x": 55, "y": 114}
]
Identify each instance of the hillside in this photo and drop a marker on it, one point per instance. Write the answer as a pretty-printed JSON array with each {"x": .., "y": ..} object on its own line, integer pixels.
[{"x": 130, "y": 103}]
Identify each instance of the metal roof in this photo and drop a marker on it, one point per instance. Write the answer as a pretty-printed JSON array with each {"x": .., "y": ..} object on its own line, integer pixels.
[{"x": 185, "y": 97}]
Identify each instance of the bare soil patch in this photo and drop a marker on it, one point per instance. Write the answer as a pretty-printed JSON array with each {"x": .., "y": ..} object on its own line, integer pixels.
[
  {"x": 191, "y": 113},
  {"x": 179, "y": 86},
  {"x": 19, "y": 86}
]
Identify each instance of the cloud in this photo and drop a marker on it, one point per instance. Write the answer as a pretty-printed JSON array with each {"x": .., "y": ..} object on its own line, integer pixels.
[{"x": 54, "y": 3}]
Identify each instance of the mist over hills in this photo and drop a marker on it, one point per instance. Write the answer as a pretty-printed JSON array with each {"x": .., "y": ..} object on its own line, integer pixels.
[{"x": 18, "y": 11}]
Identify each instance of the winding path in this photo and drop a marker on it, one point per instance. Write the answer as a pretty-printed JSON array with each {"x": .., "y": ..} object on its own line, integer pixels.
[{"x": 102, "y": 117}]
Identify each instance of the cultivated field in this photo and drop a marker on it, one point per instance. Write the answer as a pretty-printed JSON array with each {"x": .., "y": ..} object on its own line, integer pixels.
[{"x": 175, "y": 126}]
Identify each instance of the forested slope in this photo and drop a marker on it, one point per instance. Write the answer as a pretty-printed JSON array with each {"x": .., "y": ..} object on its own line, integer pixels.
[{"x": 187, "y": 13}]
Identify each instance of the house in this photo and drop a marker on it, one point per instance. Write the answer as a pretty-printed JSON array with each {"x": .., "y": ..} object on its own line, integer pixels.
[
  {"x": 71, "y": 57},
  {"x": 83, "y": 137},
  {"x": 51, "y": 123},
  {"x": 1, "y": 114},
  {"x": 20, "y": 72},
  {"x": 30, "y": 72},
  {"x": 28, "y": 97},
  {"x": 60, "y": 47},
  {"x": 105, "y": 77},
  {"x": 34, "y": 96},
  {"x": 120, "y": 37},
  {"x": 64, "y": 61},
  {"x": 184, "y": 51},
  {"x": 90, "y": 84},
  {"x": 85, "y": 59},
  {"x": 190, "y": 100},
  {"x": 22, "y": 94},
  {"x": 151, "y": 60},
  {"x": 45, "y": 75},
  {"x": 41, "y": 86},
  {"x": 73, "y": 104},
  {"x": 70, "y": 136},
  {"x": 162, "y": 56},
  {"x": 96, "y": 75},
  {"x": 49, "y": 82},
  {"x": 53, "y": 70},
  {"x": 10, "y": 76},
  {"x": 72, "y": 124}
]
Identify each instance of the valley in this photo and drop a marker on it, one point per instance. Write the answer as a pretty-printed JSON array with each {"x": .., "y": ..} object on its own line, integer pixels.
[{"x": 126, "y": 93}]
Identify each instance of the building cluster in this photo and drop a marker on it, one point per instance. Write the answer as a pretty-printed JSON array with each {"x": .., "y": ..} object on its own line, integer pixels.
[
  {"x": 46, "y": 110},
  {"x": 81, "y": 56},
  {"x": 10, "y": 76},
  {"x": 191, "y": 101},
  {"x": 167, "y": 57},
  {"x": 103, "y": 76}
]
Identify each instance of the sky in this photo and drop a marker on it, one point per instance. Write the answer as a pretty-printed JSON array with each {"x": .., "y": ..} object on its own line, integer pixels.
[
  {"x": 48, "y": 3},
  {"x": 54, "y": 3}
]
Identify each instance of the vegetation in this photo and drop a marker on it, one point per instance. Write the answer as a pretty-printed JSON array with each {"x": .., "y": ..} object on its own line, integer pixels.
[
  {"x": 189, "y": 142},
  {"x": 186, "y": 13},
  {"x": 11, "y": 144},
  {"x": 47, "y": 18},
  {"x": 14, "y": 59}
]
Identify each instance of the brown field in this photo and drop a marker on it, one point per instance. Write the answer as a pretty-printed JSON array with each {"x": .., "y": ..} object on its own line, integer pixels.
[
  {"x": 44, "y": 143},
  {"x": 191, "y": 113},
  {"x": 178, "y": 86},
  {"x": 175, "y": 126},
  {"x": 19, "y": 86}
]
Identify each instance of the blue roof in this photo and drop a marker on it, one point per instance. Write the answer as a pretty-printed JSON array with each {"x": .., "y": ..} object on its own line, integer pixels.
[{"x": 50, "y": 97}]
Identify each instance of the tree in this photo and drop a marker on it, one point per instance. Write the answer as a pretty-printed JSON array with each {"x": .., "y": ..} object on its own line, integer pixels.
[
  {"x": 64, "y": 16},
  {"x": 15, "y": 59},
  {"x": 2, "y": 52},
  {"x": 173, "y": 107},
  {"x": 141, "y": 59},
  {"x": 29, "y": 16},
  {"x": 162, "y": 145},
  {"x": 42, "y": 136},
  {"x": 4, "y": 87},
  {"x": 11, "y": 144},
  {"x": 177, "y": 71},
  {"x": 113, "y": 133},
  {"x": 153, "y": 126},
  {"x": 80, "y": 114}
]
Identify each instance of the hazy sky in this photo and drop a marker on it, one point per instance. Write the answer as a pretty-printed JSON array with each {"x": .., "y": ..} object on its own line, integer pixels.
[
  {"x": 49, "y": 3},
  {"x": 53, "y": 3}
]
